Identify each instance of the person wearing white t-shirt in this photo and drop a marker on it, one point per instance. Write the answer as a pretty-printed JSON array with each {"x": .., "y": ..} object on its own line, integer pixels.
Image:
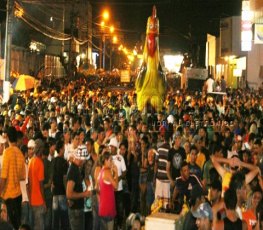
[
  {"x": 118, "y": 160},
  {"x": 210, "y": 84}
]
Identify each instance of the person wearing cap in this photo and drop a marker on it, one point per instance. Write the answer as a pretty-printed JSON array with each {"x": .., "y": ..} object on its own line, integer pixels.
[
  {"x": 30, "y": 149},
  {"x": 74, "y": 189},
  {"x": 10, "y": 189},
  {"x": 119, "y": 162},
  {"x": 197, "y": 197},
  {"x": 204, "y": 216}
]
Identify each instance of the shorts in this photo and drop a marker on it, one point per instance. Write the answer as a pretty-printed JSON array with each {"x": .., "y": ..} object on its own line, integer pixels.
[{"x": 162, "y": 189}]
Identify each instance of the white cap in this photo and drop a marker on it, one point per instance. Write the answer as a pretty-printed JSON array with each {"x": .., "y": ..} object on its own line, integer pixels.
[
  {"x": 31, "y": 143},
  {"x": 2, "y": 140},
  {"x": 114, "y": 142},
  {"x": 170, "y": 119},
  {"x": 53, "y": 99}
]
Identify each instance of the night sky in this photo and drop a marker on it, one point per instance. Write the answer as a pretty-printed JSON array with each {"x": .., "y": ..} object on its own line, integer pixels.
[{"x": 183, "y": 23}]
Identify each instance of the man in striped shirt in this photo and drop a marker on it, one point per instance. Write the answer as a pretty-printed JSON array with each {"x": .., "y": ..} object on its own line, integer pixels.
[{"x": 162, "y": 189}]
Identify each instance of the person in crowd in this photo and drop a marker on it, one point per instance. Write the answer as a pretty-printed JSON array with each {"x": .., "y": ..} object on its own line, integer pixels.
[
  {"x": 250, "y": 215},
  {"x": 108, "y": 182},
  {"x": 73, "y": 147},
  {"x": 144, "y": 147},
  {"x": 51, "y": 143},
  {"x": 162, "y": 189},
  {"x": 150, "y": 179},
  {"x": 36, "y": 187},
  {"x": 176, "y": 156},
  {"x": 193, "y": 167},
  {"x": 197, "y": 197},
  {"x": 204, "y": 216},
  {"x": 47, "y": 187},
  {"x": 74, "y": 190},
  {"x": 26, "y": 214},
  {"x": 119, "y": 162},
  {"x": 100, "y": 139},
  {"x": 215, "y": 192},
  {"x": 223, "y": 84},
  {"x": 134, "y": 169},
  {"x": 58, "y": 185},
  {"x": 231, "y": 220},
  {"x": 209, "y": 84},
  {"x": 184, "y": 184},
  {"x": 234, "y": 163},
  {"x": 217, "y": 152},
  {"x": 10, "y": 179},
  {"x": 53, "y": 127}
]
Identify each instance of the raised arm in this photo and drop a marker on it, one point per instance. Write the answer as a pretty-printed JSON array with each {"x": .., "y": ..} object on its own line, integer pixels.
[{"x": 217, "y": 161}]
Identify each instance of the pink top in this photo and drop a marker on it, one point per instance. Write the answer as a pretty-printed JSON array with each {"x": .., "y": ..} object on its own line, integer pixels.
[{"x": 106, "y": 198}]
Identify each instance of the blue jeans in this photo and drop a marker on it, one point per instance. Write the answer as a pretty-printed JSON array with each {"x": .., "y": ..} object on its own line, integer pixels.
[
  {"x": 76, "y": 219},
  {"x": 38, "y": 217},
  {"x": 149, "y": 196},
  {"x": 60, "y": 212},
  {"x": 26, "y": 214}
]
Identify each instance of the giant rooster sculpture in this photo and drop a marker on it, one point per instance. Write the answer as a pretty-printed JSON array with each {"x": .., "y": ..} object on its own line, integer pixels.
[{"x": 151, "y": 81}]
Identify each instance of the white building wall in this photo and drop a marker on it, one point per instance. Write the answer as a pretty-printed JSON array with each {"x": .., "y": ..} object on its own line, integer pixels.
[{"x": 255, "y": 60}]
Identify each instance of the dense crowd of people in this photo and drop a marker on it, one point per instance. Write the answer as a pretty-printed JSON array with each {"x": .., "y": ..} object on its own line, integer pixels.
[{"x": 76, "y": 158}]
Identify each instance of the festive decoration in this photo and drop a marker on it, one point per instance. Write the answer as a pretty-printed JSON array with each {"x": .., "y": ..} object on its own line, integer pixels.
[{"x": 151, "y": 81}]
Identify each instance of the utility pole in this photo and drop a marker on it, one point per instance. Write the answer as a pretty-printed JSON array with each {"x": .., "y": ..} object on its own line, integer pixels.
[{"x": 8, "y": 43}]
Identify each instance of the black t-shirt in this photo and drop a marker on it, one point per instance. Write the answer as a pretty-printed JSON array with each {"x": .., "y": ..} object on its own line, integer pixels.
[
  {"x": 176, "y": 158},
  {"x": 59, "y": 170},
  {"x": 185, "y": 187},
  {"x": 74, "y": 174}
]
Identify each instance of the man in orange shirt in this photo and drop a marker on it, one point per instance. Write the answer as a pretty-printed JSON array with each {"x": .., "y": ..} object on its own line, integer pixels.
[
  {"x": 13, "y": 171},
  {"x": 36, "y": 187}
]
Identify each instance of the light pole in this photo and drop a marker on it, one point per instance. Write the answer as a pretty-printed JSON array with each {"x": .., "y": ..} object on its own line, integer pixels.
[{"x": 8, "y": 43}]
